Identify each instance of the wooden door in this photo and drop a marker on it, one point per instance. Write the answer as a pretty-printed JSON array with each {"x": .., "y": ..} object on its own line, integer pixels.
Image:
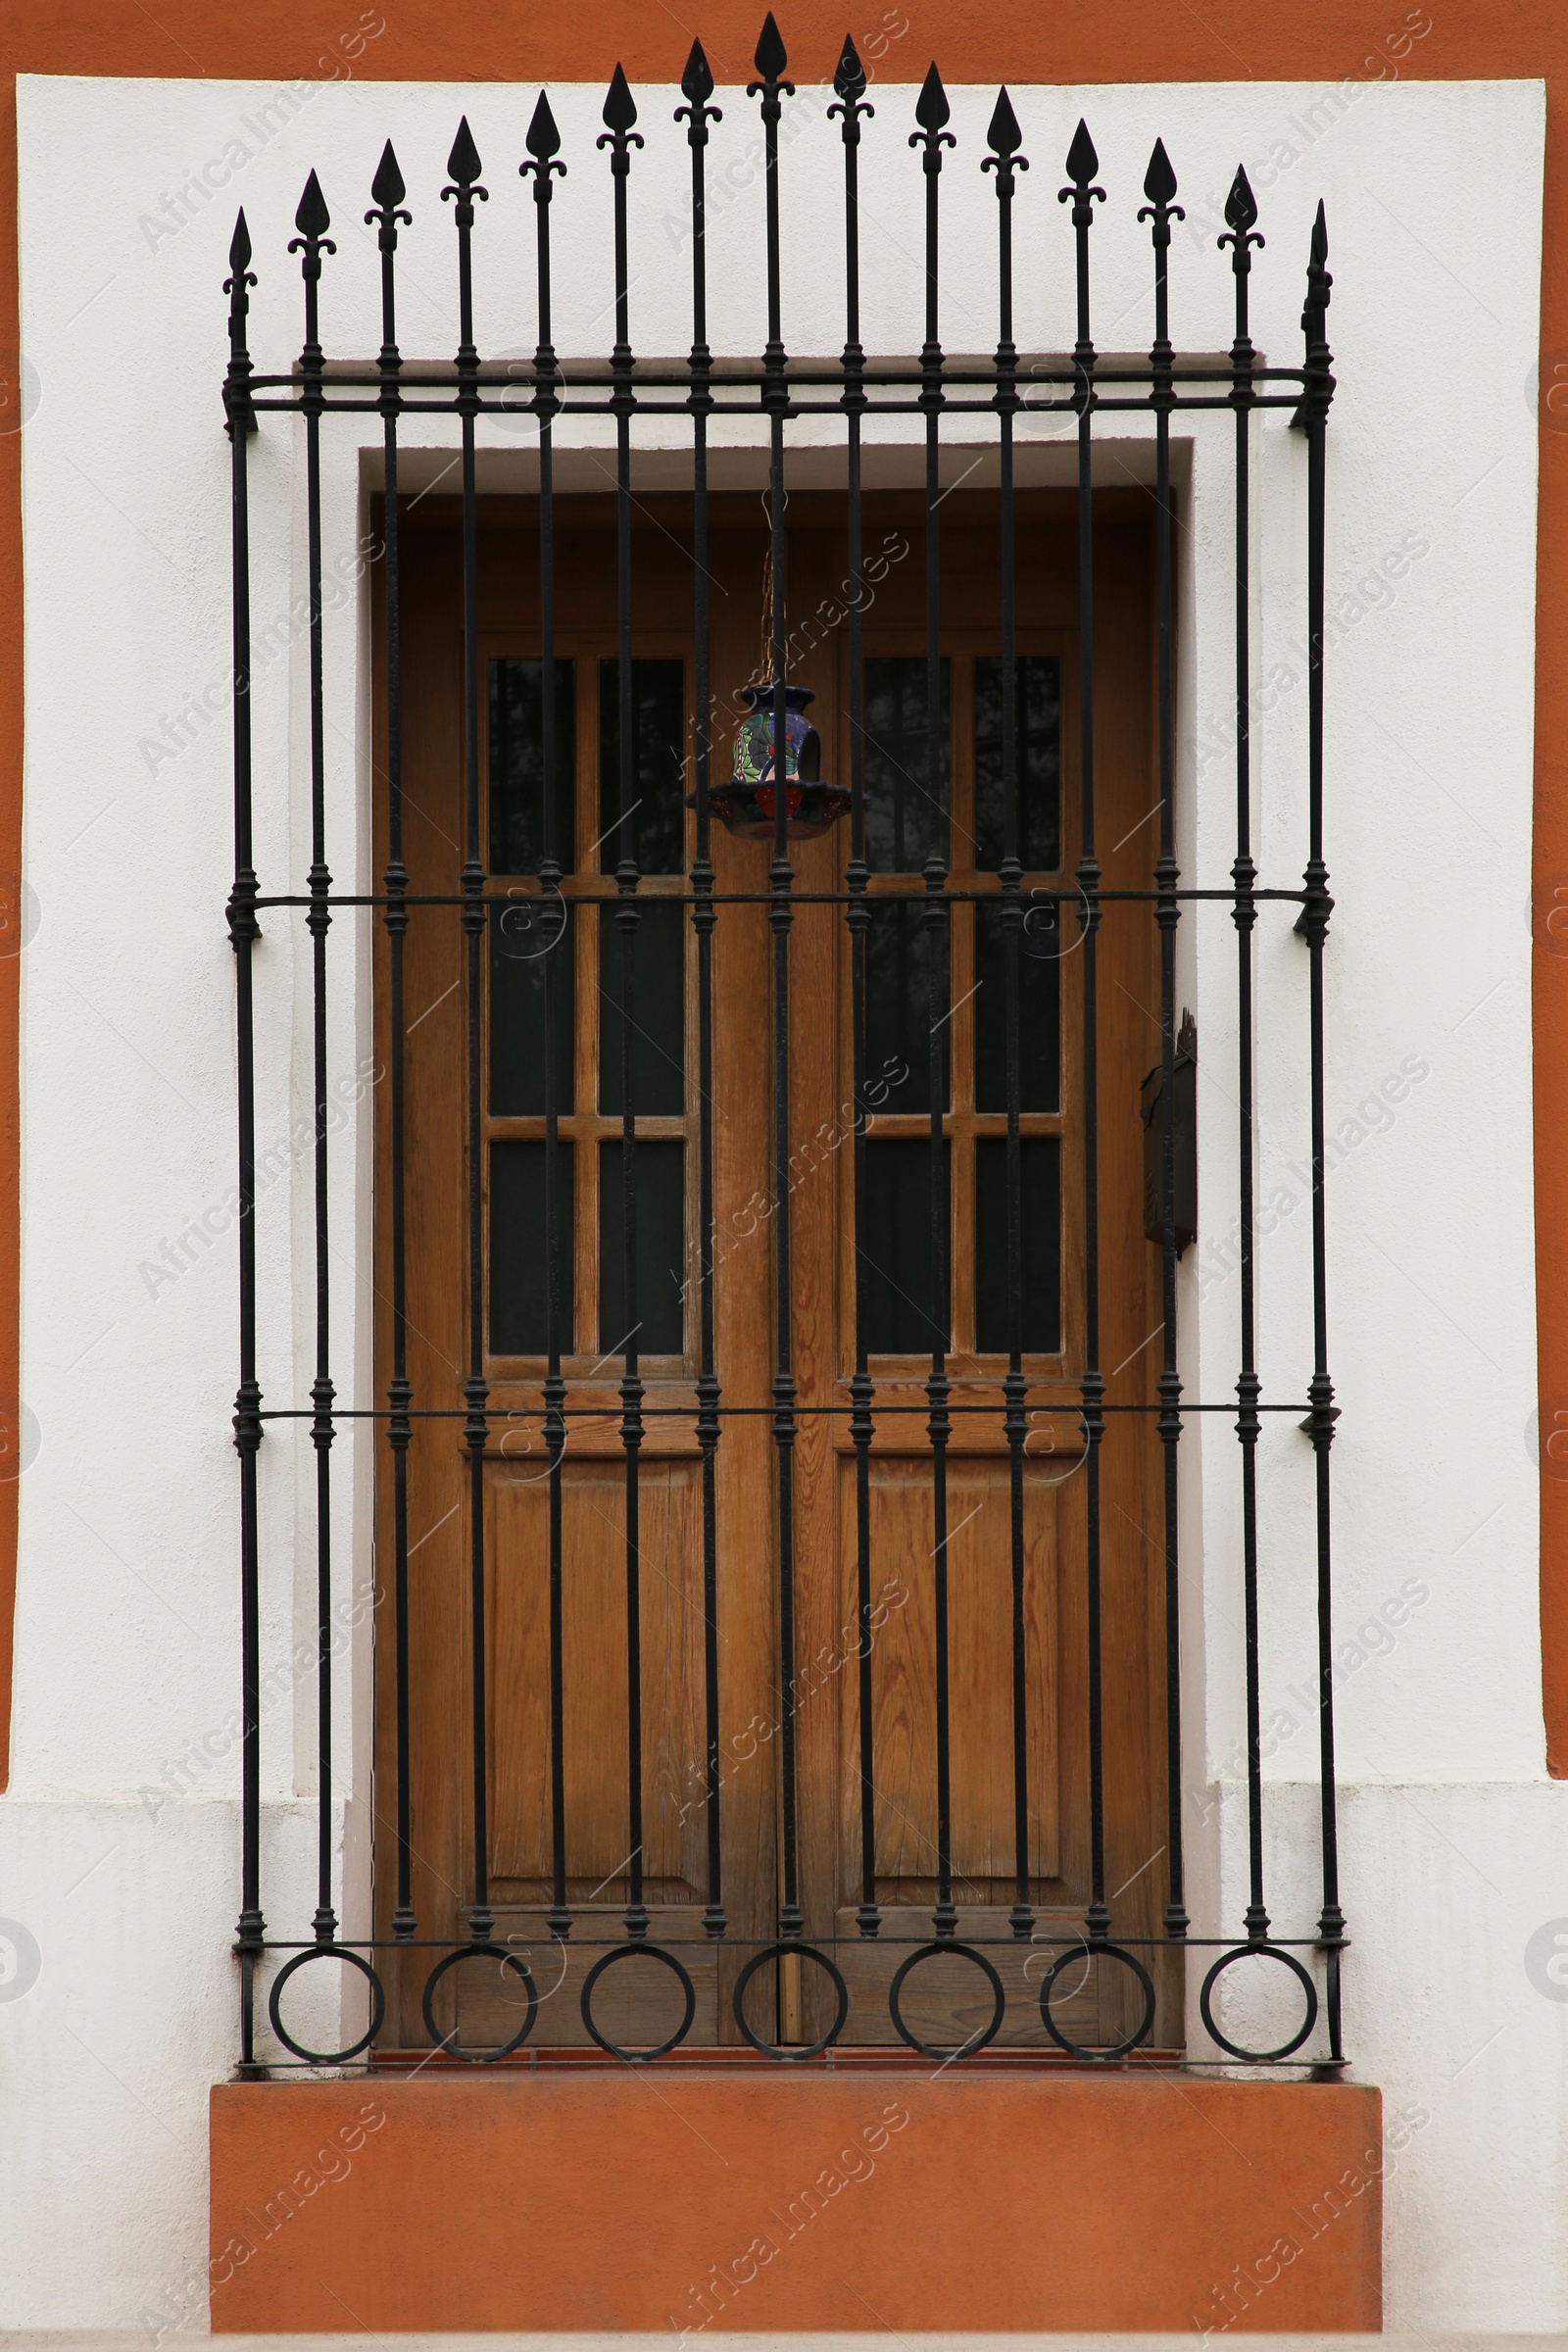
[{"x": 639, "y": 2004}]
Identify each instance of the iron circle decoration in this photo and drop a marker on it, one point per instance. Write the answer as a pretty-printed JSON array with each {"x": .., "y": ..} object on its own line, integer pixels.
[
  {"x": 1096, "y": 1952},
  {"x": 290, "y": 1968},
  {"x": 512, "y": 1963},
  {"x": 641, "y": 1951},
  {"x": 787, "y": 2051},
  {"x": 976, "y": 2041},
  {"x": 1256, "y": 1952}
]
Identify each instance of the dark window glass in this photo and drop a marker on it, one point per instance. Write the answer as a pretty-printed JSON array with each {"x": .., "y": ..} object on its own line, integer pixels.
[
  {"x": 1038, "y": 1009},
  {"x": 519, "y": 1256},
  {"x": 659, "y": 1175},
  {"x": 898, "y": 951},
  {"x": 529, "y": 936},
  {"x": 1037, "y": 722},
  {"x": 659, "y": 1011},
  {"x": 892, "y": 1256},
  {"x": 517, "y": 767},
  {"x": 1039, "y": 1201},
  {"x": 658, "y": 767},
  {"x": 902, "y": 825}
]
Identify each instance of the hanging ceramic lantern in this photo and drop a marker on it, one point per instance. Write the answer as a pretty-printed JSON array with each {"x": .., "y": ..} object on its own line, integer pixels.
[{"x": 745, "y": 803}]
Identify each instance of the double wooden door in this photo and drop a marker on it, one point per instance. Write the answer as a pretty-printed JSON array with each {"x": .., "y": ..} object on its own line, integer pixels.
[{"x": 890, "y": 1261}]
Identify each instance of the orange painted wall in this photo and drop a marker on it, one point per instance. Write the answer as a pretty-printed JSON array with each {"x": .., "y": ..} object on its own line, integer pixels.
[
  {"x": 1070, "y": 41},
  {"x": 601, "y": 2199}
]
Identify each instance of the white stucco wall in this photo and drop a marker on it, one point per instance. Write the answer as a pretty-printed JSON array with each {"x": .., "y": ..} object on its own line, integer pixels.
[{"x": 1455, "y": 1846}]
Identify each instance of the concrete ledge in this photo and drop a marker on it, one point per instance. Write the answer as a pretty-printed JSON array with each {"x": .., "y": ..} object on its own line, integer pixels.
[{"x": 782, "y": 2202}]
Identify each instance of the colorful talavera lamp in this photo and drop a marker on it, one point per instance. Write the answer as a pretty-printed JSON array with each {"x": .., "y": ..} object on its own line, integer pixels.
[{"x": 745, "y": 803}]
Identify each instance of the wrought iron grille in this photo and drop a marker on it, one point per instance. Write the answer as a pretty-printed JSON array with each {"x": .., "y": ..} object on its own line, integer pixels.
[{"x": 775, "y": 389}]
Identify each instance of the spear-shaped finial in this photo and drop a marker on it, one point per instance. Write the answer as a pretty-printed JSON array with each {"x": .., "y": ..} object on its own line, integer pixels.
[
  {"x": 464, "y": 166},
  {"x": 697, "y": 83},
  {"x": 544, "y": 146},
  {"x": 387, "y": 186},
  {"x": 1240, "y": 212},
  {"x": 849, "y": 74},
  {"x": 1003, "y": 139},
  {"x": 387, "y": 193},
  {"x": 770, "y": 57},
  {"x": 544, "y": 139},
  {"x": 696, "y": 86},
  {"x": 1159, "y": 181},
  {"x": 237, "y": 404},
  {"x": 933, "y": 113},
  {"x": 1082, "y": 164},
  {"x": 312, "y": 221},
  {"x": 619, "y": 114}
]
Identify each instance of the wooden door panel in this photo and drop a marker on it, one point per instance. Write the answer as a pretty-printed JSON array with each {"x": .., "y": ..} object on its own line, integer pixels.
[
  {"x": 945, "y": 2001},
  {"x": 980, "y": 1677},
  {"x": 594, "y": 1681}
]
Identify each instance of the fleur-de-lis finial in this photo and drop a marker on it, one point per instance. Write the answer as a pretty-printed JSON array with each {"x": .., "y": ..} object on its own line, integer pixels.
[
  {"x": 238, "y": 409},
  {"x": 619, "y": 114},
  {"x": 696, "y": 87},
  {"x": 544, "y": 146},
  {"x": 933, "y": 113},
  {"x": 1003, "y": 139},
  {"x": 1240, "y": 212},
  {"x": 312, "y": 221},
  {"x": 239, "y": 258},
  {"x": 387, "y": 193},
  {"x": 849, "y": 82},
  {"x": 1159, "y": 186},
  {"x": 1082, "y": 164},
  {"x": 464, "y": 168}
]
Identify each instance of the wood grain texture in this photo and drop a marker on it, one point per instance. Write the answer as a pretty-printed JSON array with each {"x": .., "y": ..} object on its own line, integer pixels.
[{"x": 821, "y": 1332}]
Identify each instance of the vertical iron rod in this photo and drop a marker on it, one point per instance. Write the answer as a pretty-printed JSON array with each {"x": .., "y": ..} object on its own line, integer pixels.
[
  {"x": 1314, "y": 924},
  {"x": 312, "y": 220},
  {"x": 697, "y": 85},
  {"x": 1240, "y": 212},
  {"x": 849, "y": 82},
  {"x": 1005, "y": 161},
  {"x": 620, "y": 113},
  {"x": 1082, "y": 164},
  {"x": 543, "y": 143},
  {"x": 243, "y": 931},
  {"x": 932, "y": 112},
  {"x": 770, "y": 61},
  {"x": 1159, "y": 186},
  {"x": 387, "y": 190},
  {"x": 463, "y": 166}
]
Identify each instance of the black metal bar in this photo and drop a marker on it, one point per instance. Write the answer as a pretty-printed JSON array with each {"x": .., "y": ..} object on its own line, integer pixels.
[
  {"x": 243, "y": 931},
  {"x": 1005, "y": 138},
  {"x": 770, "y": 61},
  {"x": 620, "y": 113},
  {"x": 1082, "y": 164},
  {"x": 1159, "y": 186},
  {"x": 312, "y": 220},
  {"x": 387, "y": 192},
  {"x": 1313, "y": 923},
  {"x": 543, "y": 142},
  {"x": 1240, "y": 212},
  {"x": 463, "y": 166},
  {"x": 932, "y": 113},
  {"x": 697, "y": 85},
  {"x": 849, "y": 82}
]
